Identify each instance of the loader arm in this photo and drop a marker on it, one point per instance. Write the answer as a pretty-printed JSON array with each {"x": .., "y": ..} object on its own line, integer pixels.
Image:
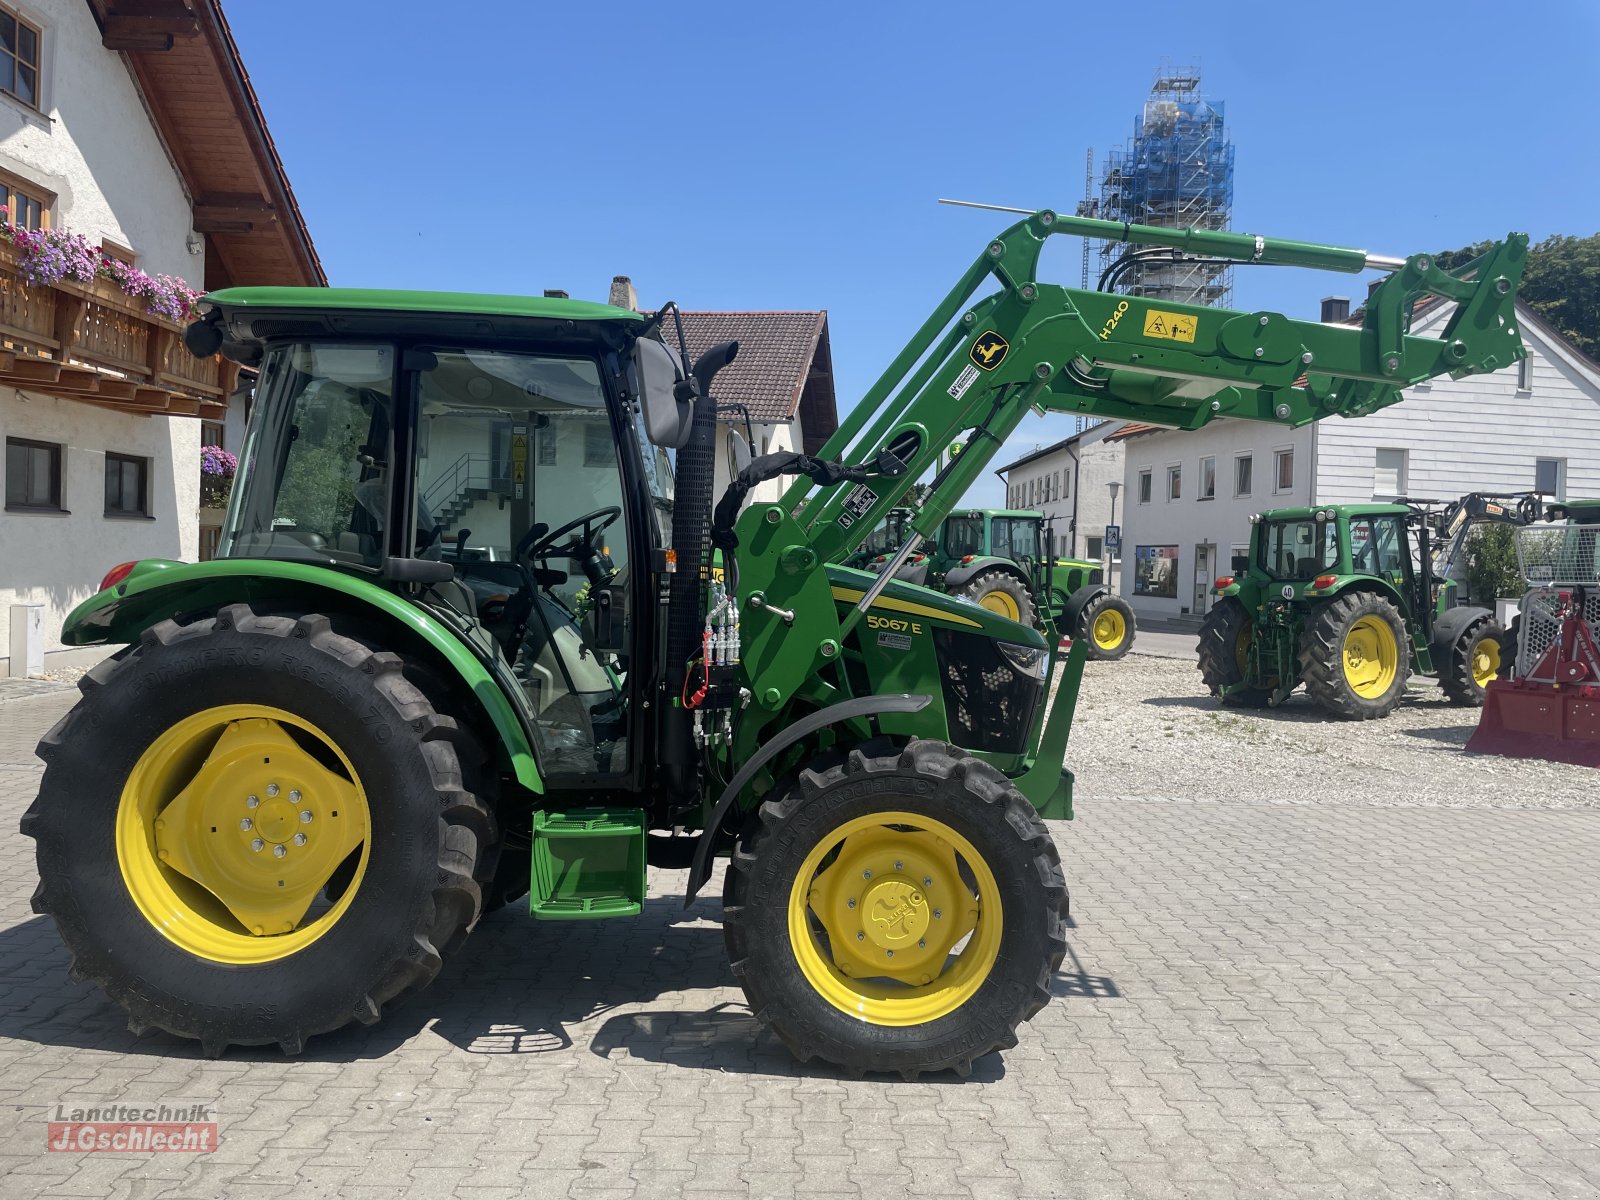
[{"x": 976, "y": 368}]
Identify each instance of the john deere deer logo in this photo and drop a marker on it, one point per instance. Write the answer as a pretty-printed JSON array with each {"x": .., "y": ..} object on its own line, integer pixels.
[{"x": 989, "y": 351}]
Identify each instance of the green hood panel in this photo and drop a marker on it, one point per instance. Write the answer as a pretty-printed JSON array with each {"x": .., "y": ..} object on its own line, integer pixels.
[
  {"x": 909, "y": 599},
  {"x": 158, "y": 589}
]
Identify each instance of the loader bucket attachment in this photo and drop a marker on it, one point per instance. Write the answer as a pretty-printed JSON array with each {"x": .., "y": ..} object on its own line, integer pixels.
[{"x": 1524, "y": 719}]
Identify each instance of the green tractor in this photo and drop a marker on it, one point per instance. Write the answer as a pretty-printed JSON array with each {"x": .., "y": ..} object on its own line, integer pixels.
[
  {"x": 1003, "y": 559},
  {"x": 463, "y": 642},
  {"x": 1351, "y": 600}
]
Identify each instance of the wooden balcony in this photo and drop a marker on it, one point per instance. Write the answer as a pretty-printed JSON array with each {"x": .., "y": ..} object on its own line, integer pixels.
[{"x": 97, "y": 344}]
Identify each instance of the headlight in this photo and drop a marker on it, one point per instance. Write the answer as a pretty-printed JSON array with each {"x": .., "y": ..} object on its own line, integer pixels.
[{"x": 1030, "y": 660}]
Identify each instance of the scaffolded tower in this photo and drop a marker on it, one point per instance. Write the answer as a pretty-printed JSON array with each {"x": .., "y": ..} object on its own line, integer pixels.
[{"x": 1177, "y": 171}]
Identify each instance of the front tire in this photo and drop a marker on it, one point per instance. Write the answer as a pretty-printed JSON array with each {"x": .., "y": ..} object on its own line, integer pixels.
[
  {"x": 1107, "y": 623},
  {"x": 897, "y": 912},
  {"x": 1475, "y": 661},
  {"x": 1001, "y": 592},
  {"x": 1355, "y": 656},
  {"x": 232, "y": 922},
  {"x": 1224, "y": 654}
]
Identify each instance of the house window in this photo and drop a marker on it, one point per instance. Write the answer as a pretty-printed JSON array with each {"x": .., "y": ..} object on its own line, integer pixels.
[
  {"x": 122, "y": 254},
  {"x": 597, "y": 448},
  {"x": 127, "y": 486},
  {"x": 212, "y": 433},
  {"x": 1208, "y": 479},
  {"x": 1243, "y": 469},
  {"x": 1144, "y": 487},
  {"x": 1283, "y": 470},
  {"x": 1174, "y": 483},
  {"x": 1550, "y": 477},
  {"x": 26, "y": 205},
  {"x": 19, "y": 58},
  {"x": 1388, "y": 472},
  {"x": 1097, "y": 547},
  {"x": 33, "y": 476}
]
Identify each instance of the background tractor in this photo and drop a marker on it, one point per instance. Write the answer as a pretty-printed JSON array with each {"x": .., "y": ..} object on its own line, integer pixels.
[
  {"x": 1350, "y": 600},
  {"x": 1003, "y": 559},
  {"x": 462, "y": 641}
]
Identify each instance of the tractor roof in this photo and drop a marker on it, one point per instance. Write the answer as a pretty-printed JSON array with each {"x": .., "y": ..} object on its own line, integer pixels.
[
  {"x": 1303, "y": 513},
  {"x": 1030, "y": 513},
  {"x": 377, "y": 300}
]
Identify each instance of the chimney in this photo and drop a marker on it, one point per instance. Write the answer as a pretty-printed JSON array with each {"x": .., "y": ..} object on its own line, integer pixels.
[
  {"x": 1335, "y": 310},
  {"x": 622, "y": 293}
]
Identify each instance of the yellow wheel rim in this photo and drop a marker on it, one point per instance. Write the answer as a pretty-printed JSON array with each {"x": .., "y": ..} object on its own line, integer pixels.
[
  {"x": 230, "y": 827},
  {"x": 1371, "y": 657},
  {"x": 1109, "y": 629},
  {"x": 1485, "y": 662},
  {"x": 886, "y": 925},
  {"x": 1001, "y": 602},
  {"x": 1241, "y": 651}
]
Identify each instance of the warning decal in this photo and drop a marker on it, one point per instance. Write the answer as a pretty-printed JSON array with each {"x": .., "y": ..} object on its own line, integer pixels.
[
  {"x": 1178, "y": 327},
  {"x": 968, "y": 376}
]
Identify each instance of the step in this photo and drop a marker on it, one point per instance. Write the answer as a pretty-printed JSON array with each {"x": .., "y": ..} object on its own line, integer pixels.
[{"x": 588, "y": 863}]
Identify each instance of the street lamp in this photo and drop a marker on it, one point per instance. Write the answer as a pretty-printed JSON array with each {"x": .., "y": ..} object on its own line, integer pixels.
[{"x": 1113, "y": 486}]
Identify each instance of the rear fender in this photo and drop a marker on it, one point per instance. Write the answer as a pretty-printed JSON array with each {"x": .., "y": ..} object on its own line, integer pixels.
[
  {"x": 159, "y": 590},
  {"x": 963, "y": 573},
  {"x": 1451, "y": 624},
  {"x": 1072, "y": 610}
]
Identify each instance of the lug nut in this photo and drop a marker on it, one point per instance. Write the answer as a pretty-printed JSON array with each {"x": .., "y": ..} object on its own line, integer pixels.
[
  {"x": 938, "y": 915},
  {"x": 927, "y": 881},
  {"x": 866, "y": 874},
  {"x": 245, "y": 823},
  {"x": 861, "y": 935},
  {"x": 922, "y": 943},
  {"x": 898, "y": 865},
  {"x": 305, "y": 816},
  {"x": 279, "y": 851},
  {"x": 258, "y": 845},
  {"x": 294, "y": 795},
  {"x": 299, "y": 839},
  {"x": 850, "y": 903},
  {"x": 252, "y": 801},
  {"x": 890, "y": 953}
]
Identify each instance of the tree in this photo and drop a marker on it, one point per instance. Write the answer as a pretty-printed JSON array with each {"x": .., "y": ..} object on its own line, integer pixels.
[
  {"x": 1492, "y": 569},
  {"x": 1561, "y": 284}
]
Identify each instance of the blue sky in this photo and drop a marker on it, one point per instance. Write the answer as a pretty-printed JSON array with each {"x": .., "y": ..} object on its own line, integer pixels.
[{"x": 770, "y": 156}]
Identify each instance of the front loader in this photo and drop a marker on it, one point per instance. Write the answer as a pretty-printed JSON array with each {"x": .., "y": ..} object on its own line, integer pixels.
[
  {"x": 321, "y": 757},
  {"x": 1350, "y": 600}
]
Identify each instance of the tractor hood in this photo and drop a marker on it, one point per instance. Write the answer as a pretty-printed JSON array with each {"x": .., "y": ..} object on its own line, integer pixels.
[{"x": 909, "y": 600}]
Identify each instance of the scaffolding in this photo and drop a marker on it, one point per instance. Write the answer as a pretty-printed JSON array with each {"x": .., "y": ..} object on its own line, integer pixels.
[{"x": 1176, "y": 172}]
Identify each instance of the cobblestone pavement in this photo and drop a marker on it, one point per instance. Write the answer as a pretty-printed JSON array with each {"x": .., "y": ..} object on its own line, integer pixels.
[{"x": 1260, "y": 1001}]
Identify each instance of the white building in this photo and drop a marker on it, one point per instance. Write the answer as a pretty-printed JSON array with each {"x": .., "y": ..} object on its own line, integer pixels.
[
  {"x": 1068, "y": 482},
  {"x": 1189, "y": 496},
  {"x": 139, "y": 131}
]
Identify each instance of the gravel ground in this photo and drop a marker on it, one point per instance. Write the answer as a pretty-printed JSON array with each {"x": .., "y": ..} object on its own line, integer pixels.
[{"x": 1147, "y": 729}]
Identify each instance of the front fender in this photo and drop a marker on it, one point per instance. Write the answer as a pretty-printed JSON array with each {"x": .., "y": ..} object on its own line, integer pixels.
[{"x": 158, "y": 590}]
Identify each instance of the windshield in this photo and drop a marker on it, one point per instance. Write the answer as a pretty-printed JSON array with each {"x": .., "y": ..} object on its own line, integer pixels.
[
  {"x": 887, "y": 536},
  {"x": 1016, "y": 538},
  {"x": 963, "y": 536},
  {"x": 1300, "y": 549}
]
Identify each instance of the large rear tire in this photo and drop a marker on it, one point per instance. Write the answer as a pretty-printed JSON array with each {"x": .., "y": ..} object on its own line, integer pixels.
[
  {"x": 1225, "y": 654},
  {"x": 1474, "y": 662},
  {"x": 1107, "y": 623},
  {"x": 1001, "y": 592},
  {"x": 897, "y": 911},
  {"x": 253, "y": 829},
  {"x": 1355, "y": 656}
]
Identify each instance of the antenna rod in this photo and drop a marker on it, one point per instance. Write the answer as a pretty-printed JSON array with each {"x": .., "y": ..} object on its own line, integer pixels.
[{"x": 991, "y": 207}]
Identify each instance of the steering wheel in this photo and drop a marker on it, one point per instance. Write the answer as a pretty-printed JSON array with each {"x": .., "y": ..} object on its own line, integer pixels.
[{"x": 537, "y": 543}]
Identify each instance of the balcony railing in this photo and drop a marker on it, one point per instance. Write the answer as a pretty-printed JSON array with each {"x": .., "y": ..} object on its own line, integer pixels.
[{"x": 95, "y": 343}]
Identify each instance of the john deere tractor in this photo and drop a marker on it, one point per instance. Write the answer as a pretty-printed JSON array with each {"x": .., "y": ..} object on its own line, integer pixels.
[
  {"x": 1004, "y": 560},
  {"x": 462, "y": 643},
  {"x": 1351, "y": 600}
]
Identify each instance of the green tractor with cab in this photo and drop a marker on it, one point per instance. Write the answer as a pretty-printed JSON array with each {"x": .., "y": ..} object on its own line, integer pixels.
[
  {"x": 1351, "y": 600},
  {"x": 463, "y": 641},
  {"x": 1003, "y": 559}
]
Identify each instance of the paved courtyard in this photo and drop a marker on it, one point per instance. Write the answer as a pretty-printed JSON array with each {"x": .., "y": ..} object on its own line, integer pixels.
[{"x": 1260, "y": 1000}]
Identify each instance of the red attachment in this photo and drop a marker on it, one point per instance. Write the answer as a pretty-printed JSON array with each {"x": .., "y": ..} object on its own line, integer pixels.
[
  {"x": 966, "y": 560},
  {"x": 1224, "y": 581},
  {"x": 1554, "y": 711},
  {"x": 117, "y": 574},
  {"x": 1324, "y": 581}
]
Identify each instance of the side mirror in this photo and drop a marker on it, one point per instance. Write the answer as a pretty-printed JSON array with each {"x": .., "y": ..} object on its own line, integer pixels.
[
  {"x": 738, "y": 453},
  {"x": 653, "y": 376},
  {"x": 1240, "y": 563}
]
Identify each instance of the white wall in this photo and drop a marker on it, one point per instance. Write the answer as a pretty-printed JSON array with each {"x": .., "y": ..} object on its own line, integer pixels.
[
  {"x": 1082, "y": 482},
  {"x": 95, "y": 147},
  {"x": 769, "y": 439},
  {"x": 1481, "y": 433},
  {"x": 1222, "y": 522}
]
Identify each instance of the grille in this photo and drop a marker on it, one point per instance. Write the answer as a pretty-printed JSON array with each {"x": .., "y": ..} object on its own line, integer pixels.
[
  {"x": 1540, "y": 624},
  {"x": 1559, "y": 553},
  {"x": 988, "y": 704}
]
